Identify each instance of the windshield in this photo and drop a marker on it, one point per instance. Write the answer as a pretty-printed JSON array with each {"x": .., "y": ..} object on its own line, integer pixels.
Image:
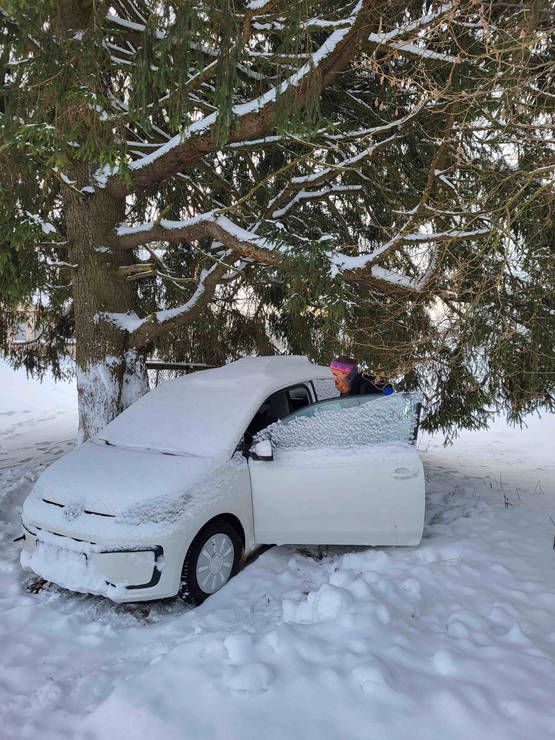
[
  {"x": 348, "y": 422},
  {"x": 191, "y": 415},
  {"x": 205, "y": 414}
]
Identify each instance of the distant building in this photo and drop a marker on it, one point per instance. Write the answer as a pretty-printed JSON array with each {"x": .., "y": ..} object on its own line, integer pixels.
[{"x": 24, "y": 331}]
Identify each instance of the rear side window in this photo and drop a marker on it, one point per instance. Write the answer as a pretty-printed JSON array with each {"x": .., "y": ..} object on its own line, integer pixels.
[
  {"x": 325, "y": 388},
  {"x": 299, "y": 397}
]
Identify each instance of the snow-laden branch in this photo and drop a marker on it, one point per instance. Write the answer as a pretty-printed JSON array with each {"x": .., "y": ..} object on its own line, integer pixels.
[
  {"x": 296, "y": 184},
  {"x": 255, "y": 142},
  {"x": 390, "y": 38},
  {"x": 416, "y": 25},
  {"x": 415, "y": 50},
  {"x": 212, "y": 224},
  {"x": 252, "y": 106},
  {"x": 345, "y": 164},
  {"x": 392, "y": 280},
  {"x": 132, "y": 26},
  {"x": 314, "y": 195},
  {"x": 46, "y": 226},
  {"x": 341, "y": 262},
  {"x": 257, "y": 7},
  {"x": 143, "y": 331},
  {"x": 364, "y": 132},
  {"x": 320, "y": 24},
  {"x": 255, "y": 118},
  {"x": 396, "y": 279},
  {"x": 356, "y": 269},
  {"x": 160, "y": 35},
  {"x": 294, "y": 188}
]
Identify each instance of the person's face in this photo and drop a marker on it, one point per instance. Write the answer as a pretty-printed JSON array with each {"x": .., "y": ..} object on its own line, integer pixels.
[{"x": 340, "y": 381}]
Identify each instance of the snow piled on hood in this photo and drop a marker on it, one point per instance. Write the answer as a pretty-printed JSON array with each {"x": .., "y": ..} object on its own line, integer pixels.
[{"x": 109, "y": 480}]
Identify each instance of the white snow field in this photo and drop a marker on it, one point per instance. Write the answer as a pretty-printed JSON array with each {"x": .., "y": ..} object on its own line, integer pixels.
[{"x": 450, "y": 640}]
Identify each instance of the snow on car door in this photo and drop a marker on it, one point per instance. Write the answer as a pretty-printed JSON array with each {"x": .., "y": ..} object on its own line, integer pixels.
[{"x": 343, "y": 472}]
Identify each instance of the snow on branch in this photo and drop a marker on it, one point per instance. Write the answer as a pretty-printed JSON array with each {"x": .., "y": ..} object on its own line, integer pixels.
[
  {"x": 342, "y": 262},
  {"x": 390, "y": 279},
  {"x": 45, "y": 226},
  {"x": 261, "y": 249},
  {"x": 191, "y": 228},
  {"x": 296, "y": 184},
  {"x": 131, "y": 25},
  {"x": 415, "y": 25},
  {"x": 345, "y": 164},
  {"x": 253, "y": 119},
  {"x": 143, "y": 331},
  {"x": 396, "y": 123},
  {"x": 314, "y": 195},
  {"x": 415, "y": 50},
  {"x": 255, "y": 142},
  {"x": 338, "y": 168},
  {"x": 319, "y": 24},
  {"x": 389, "y": 39},
  {"x": 211, "y": 223},
  {"x": 242, "y": 109},
  {"x": 396, "y": 279},
  {"x": 257, "y": 7}
]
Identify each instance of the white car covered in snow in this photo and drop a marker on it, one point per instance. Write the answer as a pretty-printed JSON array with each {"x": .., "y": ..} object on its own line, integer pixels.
[{"x": 178, "y": 488}]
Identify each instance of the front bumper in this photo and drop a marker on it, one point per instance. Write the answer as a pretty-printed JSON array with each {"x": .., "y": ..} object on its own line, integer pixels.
[{"x": 130, "y": 572}]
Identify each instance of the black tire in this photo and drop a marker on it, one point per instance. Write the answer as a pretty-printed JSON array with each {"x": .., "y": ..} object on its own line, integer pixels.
[{"x": 190, "y": 590}]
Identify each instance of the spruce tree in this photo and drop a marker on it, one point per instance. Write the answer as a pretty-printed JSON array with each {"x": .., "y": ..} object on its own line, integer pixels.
[{"x": 217, "y": 178}]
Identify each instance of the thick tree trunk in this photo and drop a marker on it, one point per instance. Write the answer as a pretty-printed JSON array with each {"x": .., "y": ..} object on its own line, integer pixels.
[{"x": 110, "y": 376}]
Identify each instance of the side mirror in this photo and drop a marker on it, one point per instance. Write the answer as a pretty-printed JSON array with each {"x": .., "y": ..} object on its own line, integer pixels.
[{"x": 262, "y": 450}]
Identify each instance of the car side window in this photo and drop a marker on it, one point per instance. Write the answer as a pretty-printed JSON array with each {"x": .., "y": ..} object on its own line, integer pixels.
[
  {"x": 299, "y": 397},
  {"x": 350, "y": 422},
  {"x": 325, "y": 388}
]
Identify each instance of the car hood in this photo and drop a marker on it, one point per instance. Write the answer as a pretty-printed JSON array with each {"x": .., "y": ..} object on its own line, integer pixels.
[{"x": 103, "y": 479}]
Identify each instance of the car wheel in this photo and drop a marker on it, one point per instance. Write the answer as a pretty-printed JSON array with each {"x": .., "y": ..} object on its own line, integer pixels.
[{"x": 212, "y": 559}]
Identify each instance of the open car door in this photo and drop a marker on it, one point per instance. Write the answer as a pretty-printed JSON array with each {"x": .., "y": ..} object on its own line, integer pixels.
[{"x": 343, "y": 471}]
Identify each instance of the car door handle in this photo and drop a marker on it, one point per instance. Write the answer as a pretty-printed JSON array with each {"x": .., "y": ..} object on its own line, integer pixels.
[{"x": 404, "y": 473}]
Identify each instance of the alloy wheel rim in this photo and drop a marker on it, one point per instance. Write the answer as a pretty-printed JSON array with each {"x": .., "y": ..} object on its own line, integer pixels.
[{"x": 214, "y": 563}]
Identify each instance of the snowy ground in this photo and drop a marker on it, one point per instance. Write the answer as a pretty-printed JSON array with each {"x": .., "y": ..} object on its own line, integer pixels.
[{"x": 446, "y": 641}]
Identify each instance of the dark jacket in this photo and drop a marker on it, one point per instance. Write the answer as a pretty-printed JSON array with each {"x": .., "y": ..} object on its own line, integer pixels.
[{"x": 364, "y": 384}]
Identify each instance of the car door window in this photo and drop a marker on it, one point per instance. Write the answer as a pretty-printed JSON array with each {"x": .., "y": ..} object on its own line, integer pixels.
[
  {"x": 325, "y": 388},
  {"x": 348, "y": 422}
]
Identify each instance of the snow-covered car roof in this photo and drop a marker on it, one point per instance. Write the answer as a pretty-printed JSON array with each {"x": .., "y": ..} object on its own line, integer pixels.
[{"x": 206, "y": 412}]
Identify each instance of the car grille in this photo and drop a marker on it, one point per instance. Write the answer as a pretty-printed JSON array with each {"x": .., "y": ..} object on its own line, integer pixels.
[{"x": 48, "y": 531}]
